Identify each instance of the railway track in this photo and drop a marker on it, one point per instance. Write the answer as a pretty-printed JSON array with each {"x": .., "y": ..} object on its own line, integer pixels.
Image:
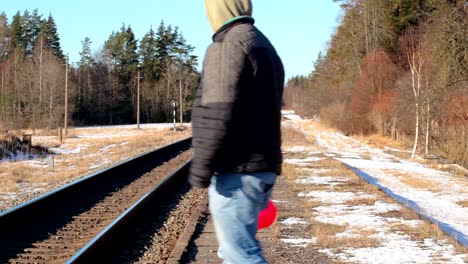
[
  {"x": 88, "y": 219},
  {"x": 140, "y": 211}
]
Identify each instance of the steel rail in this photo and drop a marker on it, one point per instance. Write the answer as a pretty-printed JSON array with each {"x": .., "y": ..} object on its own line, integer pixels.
[
  {"x": 24, "y": 225},
  {"x": 102, "y": 246}
]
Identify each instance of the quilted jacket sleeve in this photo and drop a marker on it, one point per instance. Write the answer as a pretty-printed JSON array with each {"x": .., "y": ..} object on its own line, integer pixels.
[{"x": 212, "y": 112}]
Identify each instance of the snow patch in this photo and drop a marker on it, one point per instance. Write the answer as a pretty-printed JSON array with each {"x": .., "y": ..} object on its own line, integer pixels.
[
  {"x": 293, "y": 221},
  {"x": 278, "y": 201},
  {"x": 335, "y": 197},
  {"x": 8, "y": 196},
  {"x": 322, "y": 180},
  {"x": 108, "y": 147},
  {"x": 305, "y": 161},
  {"x": 293, "y": 117},
  {"x": 99, "y": 164},
  {"x": 355, "y": 215},
  {"x": 64, "y": 151},
  {"x": 316, "y": 171},
  {"x": 296, "y": 149},
  {"x": 36, "y": 163},
  {"x": 398, "y": 249},
  {"x": 299, "y": 242},
  {"x": 142, "y": 126}
]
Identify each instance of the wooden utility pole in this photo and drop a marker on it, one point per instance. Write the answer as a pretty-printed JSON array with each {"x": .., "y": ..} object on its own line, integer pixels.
[
  {"x": 138, "y": 99},
  {"x": 40, "y": 71},
  {"x": 180, "y": 103},
  {"x": 59, "y": 134},
  {"x": 66, "y": 98}
]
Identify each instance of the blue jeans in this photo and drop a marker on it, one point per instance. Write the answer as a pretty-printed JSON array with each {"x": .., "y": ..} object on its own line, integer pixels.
[{"x": 235, "y": 200}]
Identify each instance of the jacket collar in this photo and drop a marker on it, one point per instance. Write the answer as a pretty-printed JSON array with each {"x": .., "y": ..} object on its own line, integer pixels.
[{"x": 219, "y": 35}]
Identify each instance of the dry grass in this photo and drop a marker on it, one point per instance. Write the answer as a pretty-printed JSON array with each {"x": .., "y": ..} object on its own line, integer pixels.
[
  {"x": 8, "y": 185},
  {"x": 311, "y": 204},
  {"x": 91, "y": 158},
  {"x": 17, "y": 172},
  {"x": 415, "y": 182},
  {"x": 455, "y": 169},
  {"x": 362, "y": 240},
  {"x": 379, "y": 141},
  {"x": 362, "y": 201},
  {"x": 326, "y": 236},
  {"x": 359, "y": 184},
  {"x": 420, "y": 183},
  {"x": 327, "y": 163},
  {"x": 463, "y": 203},
  {"x": 297, "y": 155},
  {"x": 276, "y": 231},
  {"x": 289, "y": 171},
  {"x": 336, "y": 172},
  {"x": 314, "y": 125},
  {"x": 446, "y": 168},
  {"x": 325, "y": 233},
  {"x": 405, "y": 214},
  {"x": 292, "y": 137},
  {"x": 422, "y": 231}
]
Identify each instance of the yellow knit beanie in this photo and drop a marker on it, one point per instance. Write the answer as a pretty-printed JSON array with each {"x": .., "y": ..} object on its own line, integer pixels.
[{"x": 221, "y": 11}]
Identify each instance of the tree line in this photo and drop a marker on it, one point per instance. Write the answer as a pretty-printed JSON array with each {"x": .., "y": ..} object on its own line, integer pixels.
[
  {"x": 102, "y": 86},
  {"x": 394, "y": 67}
]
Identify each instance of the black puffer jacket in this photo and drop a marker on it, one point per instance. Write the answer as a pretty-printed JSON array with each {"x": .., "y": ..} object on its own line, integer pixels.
[{"x": 237, "y": 111}]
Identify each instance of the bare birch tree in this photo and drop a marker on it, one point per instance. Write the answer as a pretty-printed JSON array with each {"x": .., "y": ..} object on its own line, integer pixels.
[{"x": 412, "y": 49}]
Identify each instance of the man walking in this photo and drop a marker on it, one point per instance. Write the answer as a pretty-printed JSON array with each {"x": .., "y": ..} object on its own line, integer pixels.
[{"x": 236, "y": 127}]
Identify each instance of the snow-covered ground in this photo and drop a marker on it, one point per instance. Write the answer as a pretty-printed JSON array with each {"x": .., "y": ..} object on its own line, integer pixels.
[
  {"x": 432, "y": 193},
  {"x": 290, "y": 115},
  {"x": 67, "y": 150},
  {"x": 142, "y": 126}
]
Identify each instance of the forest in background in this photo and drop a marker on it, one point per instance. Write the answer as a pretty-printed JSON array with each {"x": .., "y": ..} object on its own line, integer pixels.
[
  {"x": 102, "y": 86},
  {"x": 394, "y": 67}
]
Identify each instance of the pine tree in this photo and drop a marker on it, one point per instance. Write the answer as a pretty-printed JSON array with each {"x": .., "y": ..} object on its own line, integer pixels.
[
  {"x": 86, "y": 58},
  {"x": 131, "y": 46},
  {"x": 317, "y": 64},
  {"x": 407, "y": 13},
  {"x": 148, "y": 57},
  {"x": 163, "y": 44},
  {"x": 49, "y": 30},
  {"x": 122, "y": 47},
  {"x": 31, "y": 23},
  {"x": 16, "y": 33},
  {"x": 4, "y": 36},
  {"x": 182, "y": 51}
]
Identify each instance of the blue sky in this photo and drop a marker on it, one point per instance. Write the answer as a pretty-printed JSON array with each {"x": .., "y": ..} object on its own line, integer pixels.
[{"x": 299, "y": 29}]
